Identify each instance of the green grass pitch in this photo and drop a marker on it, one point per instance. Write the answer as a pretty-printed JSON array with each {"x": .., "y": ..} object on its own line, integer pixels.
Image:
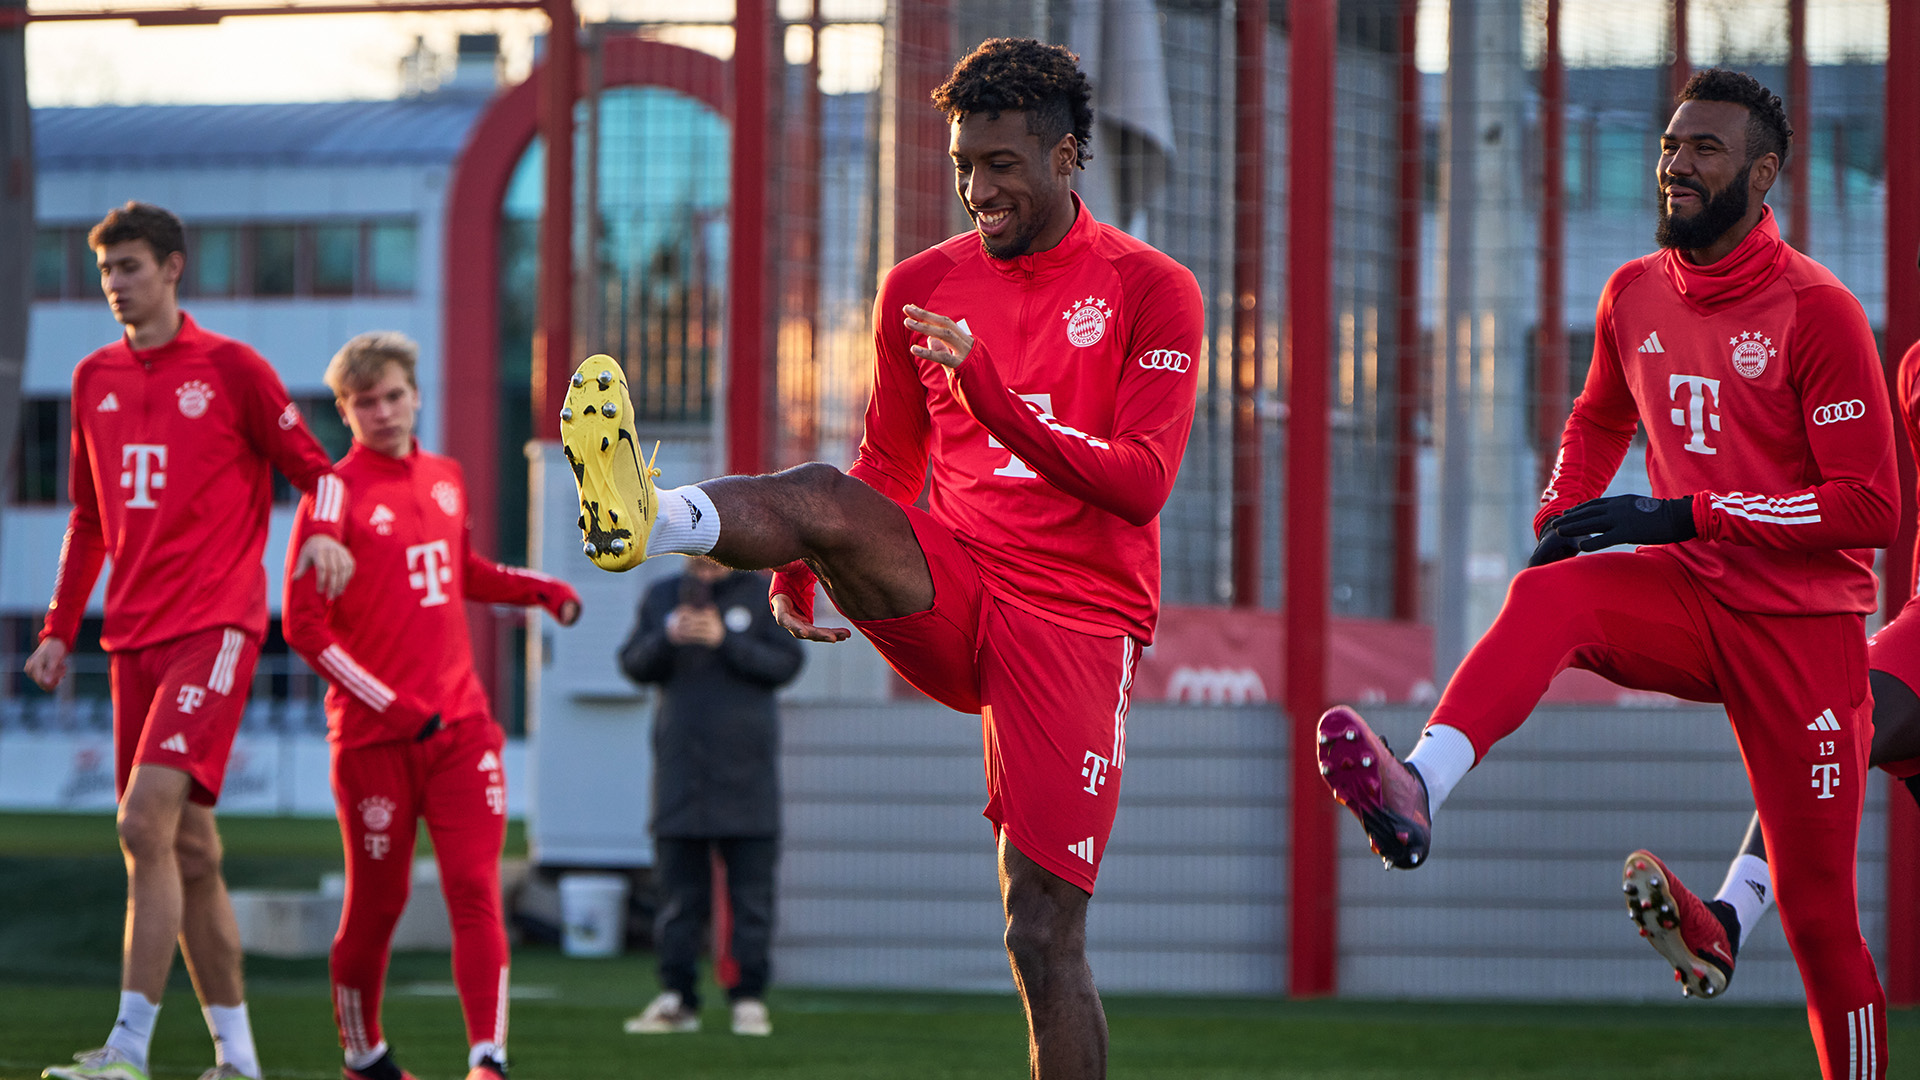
[{"x": 61, "y": 890}]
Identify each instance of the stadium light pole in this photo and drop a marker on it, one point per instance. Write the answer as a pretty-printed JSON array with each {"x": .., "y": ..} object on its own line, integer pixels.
[
  {"x": 1902, "y": 118},
  {"x": 16, "y": 224},
  {"x": 1312, "y": 894}
]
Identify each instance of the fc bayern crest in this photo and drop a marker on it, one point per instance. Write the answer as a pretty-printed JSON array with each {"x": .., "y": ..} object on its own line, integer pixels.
[
  {"x": 194, "y": 396},
  {"x": 1751, "y": 351},
  {"x": 448, "y": 497},
  {"x": 1086, "y": 321},
  {"x": 376, "y": 813}
]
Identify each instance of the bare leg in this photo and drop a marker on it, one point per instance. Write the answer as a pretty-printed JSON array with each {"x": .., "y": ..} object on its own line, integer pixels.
[
  {"x": 1896, "y": 737},
  {"x": 857, "y": 540},
  {"x": 209, "y": 936},
  {"x": 1047, "y": 945},
  {"x": 149, "y": 823}
]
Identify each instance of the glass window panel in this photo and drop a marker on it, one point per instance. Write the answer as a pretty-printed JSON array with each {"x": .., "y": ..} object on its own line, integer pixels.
[
  {"x": 85, "y": 266},
  {"x": 212, "y": 258},
  {"x": 273, "y": 260},
  {"x": 336, "y": 259},
  {"x": 49, "y": 264},
  {"x": 1625, "y": 176},
  {"x": 42, "y": 454},
  {"x": 391, "y": 257}
]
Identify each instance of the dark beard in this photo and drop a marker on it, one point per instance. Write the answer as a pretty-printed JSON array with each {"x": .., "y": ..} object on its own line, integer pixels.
[{"x": 1718, "y": 213}]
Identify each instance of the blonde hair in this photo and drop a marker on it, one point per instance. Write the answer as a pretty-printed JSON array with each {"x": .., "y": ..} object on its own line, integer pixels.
[{"x": 360, "y": 362}]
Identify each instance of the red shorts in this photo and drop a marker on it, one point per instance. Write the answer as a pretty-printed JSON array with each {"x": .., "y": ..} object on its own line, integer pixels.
[
  {"x": 1052, "y": 705},
  {"x": 1895, "y": 649},
  {"x": 178, "y": 704}
]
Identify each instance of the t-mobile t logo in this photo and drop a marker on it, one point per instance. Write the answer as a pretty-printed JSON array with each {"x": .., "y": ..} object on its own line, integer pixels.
[
  {"x": 190, "y": 698},
  {"x": 1095, "y": 772},
  {"x": 1826, "y": 777},
  {"x": 142, "y": 468},
  {"x": 428, "y": 568},
  {"x": 1014, "y": 466},
  {"x": 1695, "y": 412}
]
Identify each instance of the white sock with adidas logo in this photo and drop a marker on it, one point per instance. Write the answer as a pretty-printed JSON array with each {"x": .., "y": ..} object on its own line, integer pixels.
[
  {"x": 686, "y": 525},
  {"x": 133, "y": 1027},
  {"x": 1749, "y": 888}
]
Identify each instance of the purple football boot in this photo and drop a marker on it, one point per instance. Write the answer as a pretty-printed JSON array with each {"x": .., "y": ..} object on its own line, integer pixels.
[{"x": 1387, "y": 795}]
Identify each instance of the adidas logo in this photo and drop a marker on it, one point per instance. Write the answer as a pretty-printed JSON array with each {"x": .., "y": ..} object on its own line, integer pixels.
[
  {"x": 489, "y": 762},
  {"x": 1759, "y": 890},
  {"x": 108, "y": 403},
  {"x": 1824, "y": 722},
  {"x": 1652, "y": 344},
  {"x": 1084, "y": 849},
  {"x": 176, "y": 742}
]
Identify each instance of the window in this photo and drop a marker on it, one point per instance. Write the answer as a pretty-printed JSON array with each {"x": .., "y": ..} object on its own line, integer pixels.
[
  {"x": 85, "y": 282},
  {"x": 391, "y": 258},
  {"x": 211, "y": 256},
  {"x": 273, "y": 260},
  {"x": 40, "y": 465},
  {"x": 336, "y": 259},
  {"x": 49, "y": 264}
]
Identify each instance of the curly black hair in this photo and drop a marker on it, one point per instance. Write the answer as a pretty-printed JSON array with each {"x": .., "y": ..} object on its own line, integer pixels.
[
  {"x": 1023, "y": 75},
  {"x": 1767, "y": 129},
  {"x": 140, "y": 221}
]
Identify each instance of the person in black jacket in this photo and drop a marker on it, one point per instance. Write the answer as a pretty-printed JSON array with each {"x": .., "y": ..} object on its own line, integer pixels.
[{"x": 707, "y": 639}]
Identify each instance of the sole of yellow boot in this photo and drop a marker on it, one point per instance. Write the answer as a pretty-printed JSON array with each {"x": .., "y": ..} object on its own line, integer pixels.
[{"x": 618, "y": 502}]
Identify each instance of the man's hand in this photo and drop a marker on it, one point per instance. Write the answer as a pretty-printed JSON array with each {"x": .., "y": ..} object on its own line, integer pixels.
[
  {"x": 330, "y": 561},
  {"x": 946, "y": 343},
  {"x": 690, "y": 625},
  {"x": 792, "y": 623},
  {"x": 569, "y": 613},
  {"x": 48, "y": 664},
  {"x": 1552, "y": 547},
  {"x": 1628, "y": 519}
]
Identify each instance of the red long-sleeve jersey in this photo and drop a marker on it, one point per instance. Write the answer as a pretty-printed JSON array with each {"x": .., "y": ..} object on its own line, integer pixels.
[
  {"x": 393, "y": 647},
  {"x": 1056, "y": 442},
  {"x": 1760, "y": 388},
  {"x": 1907, "y": 389},
  {"x": 172, "y": 448}
]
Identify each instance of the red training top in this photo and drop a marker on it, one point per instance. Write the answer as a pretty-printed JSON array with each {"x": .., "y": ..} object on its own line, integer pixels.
[
  {"x": 1056, "y": 442},
  {"x": 393, "y": 646},
  {"x": 1760, "y": 387},
  {"x": 171, "y": 451}
]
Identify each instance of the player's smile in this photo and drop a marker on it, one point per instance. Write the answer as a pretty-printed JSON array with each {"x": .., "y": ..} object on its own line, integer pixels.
[{"x": 1018, "y": 195}]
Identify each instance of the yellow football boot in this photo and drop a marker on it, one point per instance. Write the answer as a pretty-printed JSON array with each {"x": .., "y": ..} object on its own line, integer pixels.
[{"x": 618, "y": 502}]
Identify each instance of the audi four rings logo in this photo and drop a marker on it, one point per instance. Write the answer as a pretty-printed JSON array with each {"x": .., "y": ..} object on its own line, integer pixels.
[
  {"x": 1845, "y": 410},
  {"x": 1165, "y": 360}
]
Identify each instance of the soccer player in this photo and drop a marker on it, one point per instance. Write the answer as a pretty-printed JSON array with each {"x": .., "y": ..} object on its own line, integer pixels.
[
  {"x": 1770, "y": 454},
  {"x": 1706, "y": 937},
  {"x": 411, "y": 732},
  {"x": 175, "y": 430},
  {"x": 1043, "y": 364}
]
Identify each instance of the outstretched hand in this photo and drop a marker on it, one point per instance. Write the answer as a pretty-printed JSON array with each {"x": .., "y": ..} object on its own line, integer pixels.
[
  {"x": 947, "y": 344},
  {"x": 792, "y": 623},
  {"x": 330, "y": 561}
]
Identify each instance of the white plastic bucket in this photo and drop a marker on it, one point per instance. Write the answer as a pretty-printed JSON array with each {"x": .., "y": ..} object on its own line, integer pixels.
[{"x": 593, "y": 913}]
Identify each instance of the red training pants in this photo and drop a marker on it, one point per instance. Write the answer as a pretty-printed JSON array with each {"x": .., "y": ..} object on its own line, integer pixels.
[
  {"x": 1795, "y": 690},
  {"x": 455, "y": 782}
]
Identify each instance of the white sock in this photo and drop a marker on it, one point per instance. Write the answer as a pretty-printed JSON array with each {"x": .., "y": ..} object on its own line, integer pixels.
[
  {"x": 361, "y": 1061},
  {"x": 232, "y": 1037},
  {"x": 1749, "y": 888},
  {"x": 483, "y": 1050},
  {"x": 1443, "y": 755},
  {"x": 133, "y": 1028},
  {"x": 687, "y": 524}
]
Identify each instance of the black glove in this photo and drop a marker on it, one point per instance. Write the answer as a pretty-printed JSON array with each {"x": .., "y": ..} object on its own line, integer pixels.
[
  {"x": 1628, "y": 519},
  {"x": 1552, "y": 547},
  {"x": 427, "y": 729}
]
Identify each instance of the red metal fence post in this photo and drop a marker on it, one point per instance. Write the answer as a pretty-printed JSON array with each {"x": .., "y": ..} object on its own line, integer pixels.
[
  {"x": 1551, "y": 338},
  {"x": 747, "y": 242},
  {"x": 1799, "y": 114},
  {"x": 553, "y": 337},
  {"x": 1249, "y": 256},
  {"x": 1313, "y": 882},
  {"x": 1903, "y": 331},
  {"x": 1406, "y": 495}
]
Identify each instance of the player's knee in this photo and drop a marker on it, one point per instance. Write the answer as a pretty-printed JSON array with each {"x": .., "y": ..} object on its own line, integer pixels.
[
  {"x": 824, "y": 490},
  {"x": 1030, "y": 942},
  {"x": 143, "y": 837},
  {"x": 470, "y": 894},
  {"x": 199, "y": 856}
]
